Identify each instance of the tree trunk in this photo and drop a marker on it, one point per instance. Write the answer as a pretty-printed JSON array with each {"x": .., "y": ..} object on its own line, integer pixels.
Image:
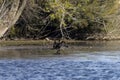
[{"x": 10, "y": 12}]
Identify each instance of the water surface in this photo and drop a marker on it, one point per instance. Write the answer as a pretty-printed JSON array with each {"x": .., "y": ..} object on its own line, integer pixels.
[{"x": 85, "y": 61}]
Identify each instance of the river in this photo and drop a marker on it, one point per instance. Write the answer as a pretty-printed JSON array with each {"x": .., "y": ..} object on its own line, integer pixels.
[{"x": 83, "y": 61}]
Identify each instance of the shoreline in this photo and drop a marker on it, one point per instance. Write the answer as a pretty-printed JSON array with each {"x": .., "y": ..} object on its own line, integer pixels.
[
  {"x": 45, "y": 42},
  {"x": 37, "y": 48}
]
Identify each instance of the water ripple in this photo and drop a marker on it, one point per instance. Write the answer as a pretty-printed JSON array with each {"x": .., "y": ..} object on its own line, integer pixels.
[{"x": 58, "y": 69}]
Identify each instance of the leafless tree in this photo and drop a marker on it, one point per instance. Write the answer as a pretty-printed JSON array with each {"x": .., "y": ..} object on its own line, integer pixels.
[{"x": 10, "y": 11}]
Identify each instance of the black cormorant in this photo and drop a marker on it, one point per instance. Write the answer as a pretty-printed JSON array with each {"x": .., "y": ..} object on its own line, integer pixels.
[{"x": 57, "y": 45}]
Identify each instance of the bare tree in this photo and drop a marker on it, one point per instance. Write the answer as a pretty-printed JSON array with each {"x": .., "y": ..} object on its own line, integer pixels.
[{"x": 10, "y": 11}]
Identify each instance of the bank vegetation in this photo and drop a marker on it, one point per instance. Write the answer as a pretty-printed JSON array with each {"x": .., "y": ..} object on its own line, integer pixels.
[{"x": 67, "y": 19}]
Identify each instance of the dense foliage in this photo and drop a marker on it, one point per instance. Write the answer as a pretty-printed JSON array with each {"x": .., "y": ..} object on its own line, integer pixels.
[{"x": 71, "y": 19}]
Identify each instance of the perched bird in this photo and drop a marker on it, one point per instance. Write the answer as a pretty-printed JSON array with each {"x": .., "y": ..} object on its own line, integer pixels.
[{"x": 57, "y": 45}]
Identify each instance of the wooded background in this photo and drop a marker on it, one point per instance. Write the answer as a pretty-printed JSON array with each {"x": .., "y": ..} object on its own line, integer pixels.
[{"x": 70, "y": 19}]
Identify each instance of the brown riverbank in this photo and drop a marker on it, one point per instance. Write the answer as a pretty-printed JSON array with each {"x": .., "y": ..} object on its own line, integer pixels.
[
  {"x": 49, "y": 42},
  {"x": 33, "y": 42}
]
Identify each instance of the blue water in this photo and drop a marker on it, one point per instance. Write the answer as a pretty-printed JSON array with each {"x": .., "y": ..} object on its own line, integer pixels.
[
  {"x": 92, "y": 61},
  {"x": 72, "y": 67}
]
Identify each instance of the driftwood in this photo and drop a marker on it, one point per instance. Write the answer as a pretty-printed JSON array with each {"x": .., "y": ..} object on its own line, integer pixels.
[{"x": 10, "y": 11}]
